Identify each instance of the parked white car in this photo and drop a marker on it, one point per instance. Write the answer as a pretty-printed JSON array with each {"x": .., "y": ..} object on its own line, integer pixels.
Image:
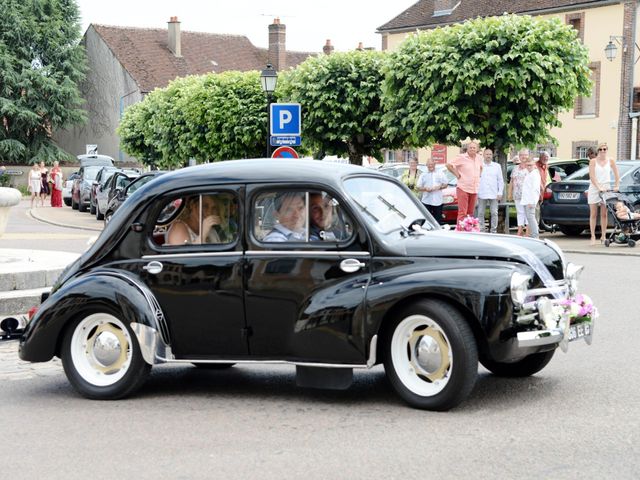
[{"x": 66, "y": 189}]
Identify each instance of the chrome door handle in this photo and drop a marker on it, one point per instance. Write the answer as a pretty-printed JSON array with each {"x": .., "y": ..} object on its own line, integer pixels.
[
  {"x": 153, "y": 267},
  {"x": 350, "y": 265}
]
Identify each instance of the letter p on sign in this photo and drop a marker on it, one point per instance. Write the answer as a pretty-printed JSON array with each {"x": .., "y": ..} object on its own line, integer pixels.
[{"x": 285, "y": 119}]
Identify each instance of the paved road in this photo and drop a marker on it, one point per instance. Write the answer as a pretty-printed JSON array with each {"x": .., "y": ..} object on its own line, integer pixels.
[{"x": 578, "y": 419}]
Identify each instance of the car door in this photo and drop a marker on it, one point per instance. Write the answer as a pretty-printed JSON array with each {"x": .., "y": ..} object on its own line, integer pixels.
[
  {"x": 199, "y": 286},
  {"x": 304, "y": 298}
]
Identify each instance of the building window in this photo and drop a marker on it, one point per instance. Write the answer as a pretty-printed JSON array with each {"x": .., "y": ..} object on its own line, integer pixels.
[
  {"x": 391, "y": 156},
  {"x": 579, "y": 148},
  {"x": 590, "y": 106},
  {"x": 576, "y": 20}
]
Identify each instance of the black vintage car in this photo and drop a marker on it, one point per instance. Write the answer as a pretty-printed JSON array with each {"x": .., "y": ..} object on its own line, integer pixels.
[{"x": 366, "y": 277}]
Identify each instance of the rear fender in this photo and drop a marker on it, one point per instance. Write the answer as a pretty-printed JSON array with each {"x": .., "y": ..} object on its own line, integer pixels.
[{"x": 110, "y": 291}]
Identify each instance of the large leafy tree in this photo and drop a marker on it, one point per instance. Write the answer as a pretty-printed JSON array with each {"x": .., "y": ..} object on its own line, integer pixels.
[
  {"x": 209, "y": 118},
  {"x": 41, "y": 64},
  {"x": 340, "y": 96},
  {"x": 501, "y": 80}
]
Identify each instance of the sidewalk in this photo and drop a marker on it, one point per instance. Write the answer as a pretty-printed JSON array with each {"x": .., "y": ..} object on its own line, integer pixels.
[{"x": 67, "y": 217}]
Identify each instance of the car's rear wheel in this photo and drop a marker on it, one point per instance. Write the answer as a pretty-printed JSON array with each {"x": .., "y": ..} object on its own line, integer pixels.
[
  {"x": 524, "y": 368},
  {"x": 99, "y": 216},
  {"x": 67, "y": 202},
  {"x": 101, "y": 357},
  {"x": 92, "y": 208},
  {"x": 571, "y": 230},
  {"x": 107, "y": 217},
  {"x": 82, "y": 207},
  {"x": 74, "y": 204},
  {"x": 430, "y": 355}
]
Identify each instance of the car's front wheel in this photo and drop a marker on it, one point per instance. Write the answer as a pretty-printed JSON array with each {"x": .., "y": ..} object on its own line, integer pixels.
[
  {"x": 92, "y": 207},
  {"x": 430, "y": 355},
  {"x": 99, "y": 215},
  {"x": 67, "y": 202},
  {"x": 524, "y": 368},
  {"x": 74, "y": 204},
  {"x": 107, "y": 217},
  {"x": 101, "y": 357}
]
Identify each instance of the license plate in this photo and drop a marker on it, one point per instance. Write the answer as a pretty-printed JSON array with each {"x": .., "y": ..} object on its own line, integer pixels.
[
  {"x": 568, "y": 195},
  {"x": 579, "y": 330}
]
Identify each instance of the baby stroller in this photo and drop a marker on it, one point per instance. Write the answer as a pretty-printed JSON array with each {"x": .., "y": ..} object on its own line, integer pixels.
[{"x": 625, "y": 232}]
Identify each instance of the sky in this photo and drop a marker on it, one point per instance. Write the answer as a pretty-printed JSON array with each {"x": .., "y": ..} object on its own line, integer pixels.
[{"x": 309, "y": 24}]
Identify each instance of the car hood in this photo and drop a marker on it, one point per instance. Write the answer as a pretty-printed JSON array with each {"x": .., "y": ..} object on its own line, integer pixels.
[{"x": 486, "y": 246}]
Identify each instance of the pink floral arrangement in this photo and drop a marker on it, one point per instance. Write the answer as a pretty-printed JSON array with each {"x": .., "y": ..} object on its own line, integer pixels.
[
  {"x": 468, "y": 224},
  {"x": 580, "y": 309}
]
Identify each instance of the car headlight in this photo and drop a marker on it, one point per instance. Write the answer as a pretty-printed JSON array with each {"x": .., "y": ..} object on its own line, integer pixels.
[
  {"x": 448, "y": 199},
  {"x": 519, "y": 287},
  {"x": 572, "y": 275}
]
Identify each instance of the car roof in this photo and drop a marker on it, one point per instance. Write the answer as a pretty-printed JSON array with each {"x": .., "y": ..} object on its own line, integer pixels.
[
  {"x": 263, "y": 170},
  {"x": 86, "y": 160}
]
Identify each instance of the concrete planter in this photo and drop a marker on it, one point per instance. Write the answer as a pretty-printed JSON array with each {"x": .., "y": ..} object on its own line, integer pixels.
[{"x": 9, "y": 197}]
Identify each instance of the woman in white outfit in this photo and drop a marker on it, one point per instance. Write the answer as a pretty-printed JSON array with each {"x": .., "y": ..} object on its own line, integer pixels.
[
  {"x": 600, "y": 169},
  {"x": 531, "y": 187},
  {"x": 35, "y": 182},
  {"x": 514, "y": 191}
]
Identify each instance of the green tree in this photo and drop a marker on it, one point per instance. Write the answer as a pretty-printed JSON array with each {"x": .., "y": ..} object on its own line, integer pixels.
[
  {"x": 340, "y": 99},
  {"x": 501, "y": 80},
  {"x": 41, "y": 64},
  {"x": 209, "y": 118}
]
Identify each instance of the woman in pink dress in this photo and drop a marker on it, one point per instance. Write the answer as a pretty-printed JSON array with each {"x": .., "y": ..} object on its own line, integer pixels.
[{"x": 56, "y": 185}]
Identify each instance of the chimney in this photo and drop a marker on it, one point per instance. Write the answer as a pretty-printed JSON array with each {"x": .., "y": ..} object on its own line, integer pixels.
[
  {"x": 360, "y": 46},
  {"x": 174, "y": 36},
  {"x": 328, "y": 48},
  {"x": 277, "y": 45},
  {"x": 444, "y": 7}
]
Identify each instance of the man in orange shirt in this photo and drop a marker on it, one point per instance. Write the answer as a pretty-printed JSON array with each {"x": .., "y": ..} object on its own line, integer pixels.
[{"x": 467, "y": 168}]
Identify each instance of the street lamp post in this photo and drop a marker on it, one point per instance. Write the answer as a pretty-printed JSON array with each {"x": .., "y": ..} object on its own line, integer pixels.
[{"x": 269, "y": 79}]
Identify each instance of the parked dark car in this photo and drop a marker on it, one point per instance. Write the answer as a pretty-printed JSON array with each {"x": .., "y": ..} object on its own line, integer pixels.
[
  {"x": 373, "y": 280},
  {"x": 101, "y": 178},
  {"x": 123, "y": 188},
  {"x": 565, "y": 202}
]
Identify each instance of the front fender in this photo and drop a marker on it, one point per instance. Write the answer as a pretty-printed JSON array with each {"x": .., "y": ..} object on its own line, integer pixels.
[
  {"x": 101, "y": 291},
  {"x": 481, "y": 293}
]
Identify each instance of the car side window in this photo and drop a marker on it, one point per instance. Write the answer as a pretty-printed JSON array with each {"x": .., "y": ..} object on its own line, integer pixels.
[
  {"x": 301, "y": 216},
  {"x": 208, "y": 219}
]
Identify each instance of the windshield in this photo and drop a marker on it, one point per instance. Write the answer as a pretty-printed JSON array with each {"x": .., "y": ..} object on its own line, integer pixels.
[
  {"x": 583, "y": 173},
  {"x": 386, "y": 206},
  {"x": 90, "y": 173}
]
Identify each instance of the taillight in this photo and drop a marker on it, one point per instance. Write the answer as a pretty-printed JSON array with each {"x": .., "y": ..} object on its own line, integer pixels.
[
  {"x": 32, "y": 311},
  {"x": 547, "y": 194}
]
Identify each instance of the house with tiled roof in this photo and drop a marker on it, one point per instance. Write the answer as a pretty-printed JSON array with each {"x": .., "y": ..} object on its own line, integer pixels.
[
  {"x": 126, "y": 63},
  {"x": 608, "y": 28}
]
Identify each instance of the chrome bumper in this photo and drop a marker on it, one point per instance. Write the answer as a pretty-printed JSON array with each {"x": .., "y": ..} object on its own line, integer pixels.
[{"x": 558, "y": 328}]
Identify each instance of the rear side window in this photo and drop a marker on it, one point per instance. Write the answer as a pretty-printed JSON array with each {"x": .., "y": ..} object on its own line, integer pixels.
[{"x": 210, "y": 219}]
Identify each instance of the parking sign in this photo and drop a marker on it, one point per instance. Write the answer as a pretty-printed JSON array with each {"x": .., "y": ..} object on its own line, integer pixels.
[{"x": 285, "y": 119}]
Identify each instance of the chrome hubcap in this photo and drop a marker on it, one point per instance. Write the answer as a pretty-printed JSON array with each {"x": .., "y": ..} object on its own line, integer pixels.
[
  {"x": 421, "y": 354},
  {"x": 106, "y": 348}
]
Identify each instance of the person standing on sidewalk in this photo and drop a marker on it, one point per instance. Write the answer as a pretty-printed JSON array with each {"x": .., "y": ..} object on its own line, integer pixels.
[
  {"x": 531, "y": 196},
  {"x": 431, "y": 184},
  {"x": 56, "y": 185},
  {"x": 411, "y": 176},
  {"x": 490, "y": 190},
  {"x": 44, "y": 187},
  {"x": 35, "y": 182},
  {"x": 518, "y": 175},
  {"x": 467, "y": 168},
  {"x": 600, "y": 169}
]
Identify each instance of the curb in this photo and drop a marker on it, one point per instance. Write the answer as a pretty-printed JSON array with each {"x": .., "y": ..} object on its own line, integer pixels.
[{"x": 32, "y": 214}]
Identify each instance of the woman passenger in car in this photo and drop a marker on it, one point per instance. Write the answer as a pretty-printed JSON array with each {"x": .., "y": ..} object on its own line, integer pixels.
[{"x": 186, "y": 228}]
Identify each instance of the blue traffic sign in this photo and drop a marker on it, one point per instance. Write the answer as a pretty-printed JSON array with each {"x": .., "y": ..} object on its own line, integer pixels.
[
  {"x": 286, "y": 119},
  {"x": 278, "y": 141}
]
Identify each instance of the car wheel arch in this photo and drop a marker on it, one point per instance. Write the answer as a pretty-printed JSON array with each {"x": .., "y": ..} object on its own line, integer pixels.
[{"x": 113, "y": 294}]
